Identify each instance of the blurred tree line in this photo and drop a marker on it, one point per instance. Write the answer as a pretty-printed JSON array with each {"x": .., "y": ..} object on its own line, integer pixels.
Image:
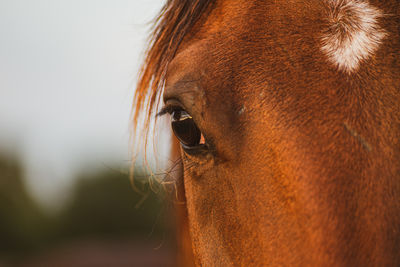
[{"x": 103, "y": 205}]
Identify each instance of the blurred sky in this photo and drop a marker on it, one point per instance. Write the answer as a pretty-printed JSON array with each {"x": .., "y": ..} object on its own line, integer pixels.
[{"x": 67, "y": 75}]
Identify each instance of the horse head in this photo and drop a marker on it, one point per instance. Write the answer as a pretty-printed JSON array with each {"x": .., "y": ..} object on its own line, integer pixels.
[{"x": 287, "y": 117}]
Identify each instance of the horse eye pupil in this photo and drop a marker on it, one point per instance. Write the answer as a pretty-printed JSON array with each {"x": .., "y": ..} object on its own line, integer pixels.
[{"x": 185, "y": 129}]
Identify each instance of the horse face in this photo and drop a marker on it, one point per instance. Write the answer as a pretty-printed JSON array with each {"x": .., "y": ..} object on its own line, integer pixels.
[{"x": 288, "y": 158}]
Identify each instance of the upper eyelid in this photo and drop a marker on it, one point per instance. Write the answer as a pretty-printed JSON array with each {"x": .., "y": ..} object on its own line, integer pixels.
[
  {"x": 168, "y": 108},
  {"x": 164, "y": 110}
]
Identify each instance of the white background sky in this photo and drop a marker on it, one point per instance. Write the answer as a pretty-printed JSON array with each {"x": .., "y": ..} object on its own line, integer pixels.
[{"x": 67, "y": 75}]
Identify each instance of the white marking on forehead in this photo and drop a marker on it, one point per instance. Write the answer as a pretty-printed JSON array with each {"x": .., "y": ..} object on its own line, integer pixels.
[{"x": 353, "y": 35}]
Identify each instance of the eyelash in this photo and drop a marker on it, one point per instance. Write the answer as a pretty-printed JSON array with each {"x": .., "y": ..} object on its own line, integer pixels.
[{"x": 168, "y": 109}]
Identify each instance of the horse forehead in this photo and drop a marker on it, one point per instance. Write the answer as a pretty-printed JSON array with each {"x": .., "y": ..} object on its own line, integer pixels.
[
  {"x": 346, "y": 32},
  {"x": 243, "y": 47},
  {"x": 239, "y": 30},
  {"x": 232, "y": 46}
]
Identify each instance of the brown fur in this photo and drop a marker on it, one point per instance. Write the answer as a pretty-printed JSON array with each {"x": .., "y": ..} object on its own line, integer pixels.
[{"x": 305, "y": 161}]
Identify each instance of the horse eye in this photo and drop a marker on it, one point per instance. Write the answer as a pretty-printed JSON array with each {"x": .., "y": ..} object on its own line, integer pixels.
[{"x": 185, "y": 129}]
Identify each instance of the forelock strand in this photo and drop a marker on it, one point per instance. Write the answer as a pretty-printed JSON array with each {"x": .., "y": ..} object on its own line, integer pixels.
[{"x": 174, "y": 21}]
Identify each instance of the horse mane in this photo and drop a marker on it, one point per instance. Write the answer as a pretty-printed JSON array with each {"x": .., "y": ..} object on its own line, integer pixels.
[{"x": 176, "y": 18}]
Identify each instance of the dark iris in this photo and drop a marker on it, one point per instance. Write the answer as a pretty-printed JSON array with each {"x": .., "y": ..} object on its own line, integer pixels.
[{"x": 185, "y": 128}]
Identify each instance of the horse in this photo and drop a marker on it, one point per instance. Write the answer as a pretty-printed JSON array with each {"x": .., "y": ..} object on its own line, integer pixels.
[{"x": 286, "y": 122}]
